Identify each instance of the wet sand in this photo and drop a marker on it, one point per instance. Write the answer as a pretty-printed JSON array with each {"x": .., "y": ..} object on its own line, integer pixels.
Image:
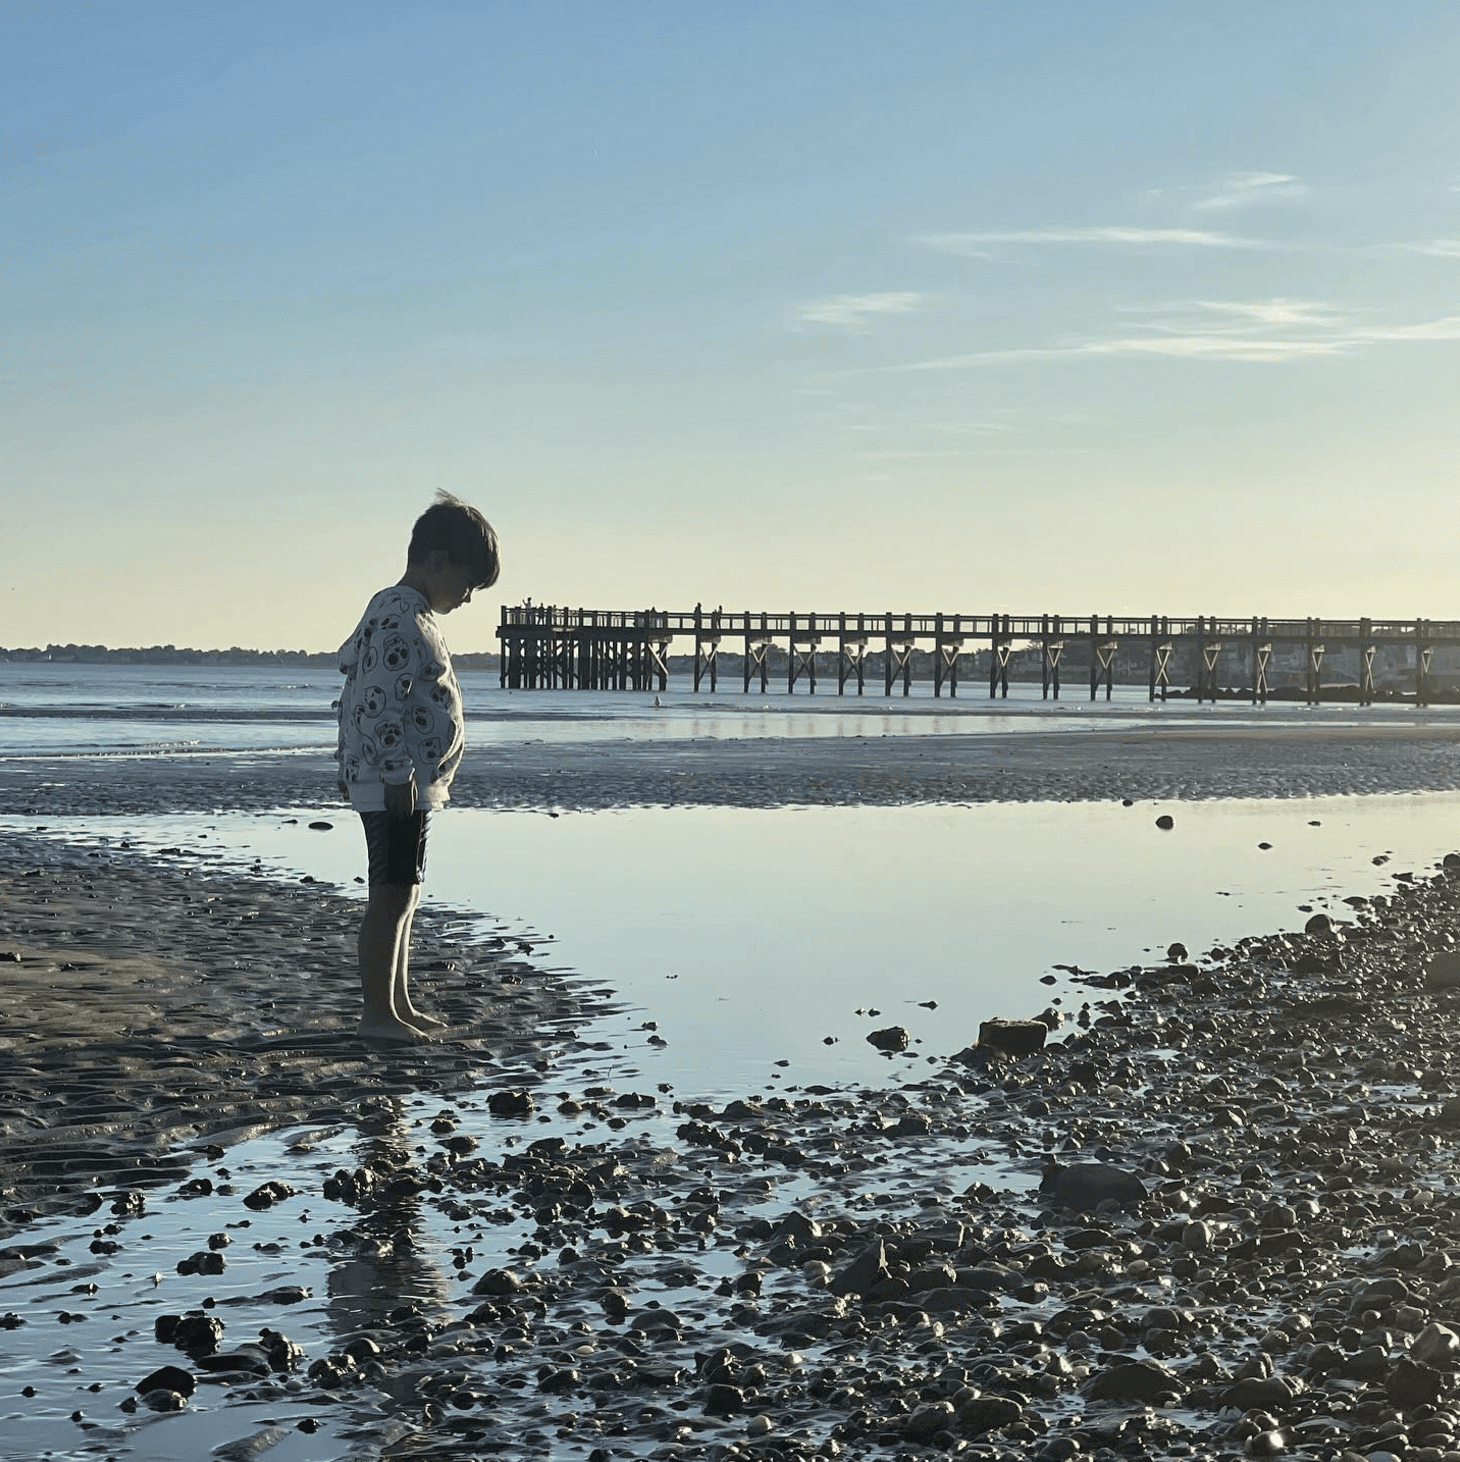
[{"x": 146, "y": 1010}]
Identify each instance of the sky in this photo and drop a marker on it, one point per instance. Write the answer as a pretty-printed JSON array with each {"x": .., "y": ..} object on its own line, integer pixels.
[{"x": 1035, "y": 307}]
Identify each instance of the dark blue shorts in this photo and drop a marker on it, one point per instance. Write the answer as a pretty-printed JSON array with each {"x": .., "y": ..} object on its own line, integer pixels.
[{"x": 396, "y": 846}]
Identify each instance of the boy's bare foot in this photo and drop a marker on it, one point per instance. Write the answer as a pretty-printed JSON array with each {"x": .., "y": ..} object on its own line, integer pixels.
[
  {"x": 388, "y": 1028},
  {"x": 423, "y": 1022}
]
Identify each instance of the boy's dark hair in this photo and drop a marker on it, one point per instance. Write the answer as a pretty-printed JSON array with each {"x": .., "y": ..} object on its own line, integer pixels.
[{"x": 462, "y": 533}]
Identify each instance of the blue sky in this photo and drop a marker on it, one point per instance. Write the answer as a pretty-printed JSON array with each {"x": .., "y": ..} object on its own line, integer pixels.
[{"x": 1034, "y": 307}]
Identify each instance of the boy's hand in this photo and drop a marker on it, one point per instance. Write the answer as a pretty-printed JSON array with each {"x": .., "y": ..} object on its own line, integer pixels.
[
  {"x": 400, "y": 797},
  {"x": 344, "y": 787}
]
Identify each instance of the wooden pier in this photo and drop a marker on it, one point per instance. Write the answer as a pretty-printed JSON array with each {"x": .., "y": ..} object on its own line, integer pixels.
[{"x": 550, "y": 648}]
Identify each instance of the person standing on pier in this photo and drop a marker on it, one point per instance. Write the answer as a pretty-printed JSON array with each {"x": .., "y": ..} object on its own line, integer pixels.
[{"x": 400, "y": 742}]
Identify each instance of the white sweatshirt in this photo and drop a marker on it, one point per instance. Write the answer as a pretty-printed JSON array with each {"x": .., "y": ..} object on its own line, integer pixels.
[{"x": 400, "y": 709}]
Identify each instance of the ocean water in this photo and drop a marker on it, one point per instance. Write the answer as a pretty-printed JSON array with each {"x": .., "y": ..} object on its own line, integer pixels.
[{"x": 57, "y": 709}]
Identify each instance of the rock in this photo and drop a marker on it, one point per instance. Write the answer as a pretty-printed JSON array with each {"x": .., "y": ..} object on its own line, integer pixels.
[
  {"x": 984, "y": 1413},
  {"x": 1318, "y": 924},
  {"x": 1176, "y": 952},
  {"x": 509, "y": 1103},
  {"x": 168, "y": 1378},
  {"x": 205, "y": 1261},
  {"x": 1017, "y": 1037},
  {"x": 864, "y": 1273},
  {"x": 195, "y": 1332},
  {"x": 321, "y": 827},
  {"x": 1165, "y": 822},
  {"x": 1438, "y": 1347},
  {"x": 1443, "y": 972},
  {"x": 724, "y": 1400},
  {"x": 164, "y": 1400},
  {"x": 891, "y": 1038},
  {"x": 1085, "y": 1186},
  {"x": 1134, "y": 1381},
  {"x": 1410, "y": 1384},
  {"x": 268, "y": 1194},
  {"x": 933, "y": 1417},
  {"x": 499, "y": 1281}
]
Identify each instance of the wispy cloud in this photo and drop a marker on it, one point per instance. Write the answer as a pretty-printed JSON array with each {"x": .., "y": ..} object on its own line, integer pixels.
[
  {"x": 1245, "y": 331},
  {"x": 853, "y": 311},
  {"x": 1248, "y": 188},
  {"x": 970, "y": 243},
  {"x": 1432, "y": 248}
]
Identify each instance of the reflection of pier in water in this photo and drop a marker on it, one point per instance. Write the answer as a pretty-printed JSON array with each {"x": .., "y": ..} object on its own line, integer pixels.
[{"x": 551, "y": 648}]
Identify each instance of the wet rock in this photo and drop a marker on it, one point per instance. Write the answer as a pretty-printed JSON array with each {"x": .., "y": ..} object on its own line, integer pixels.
[
  {"x": 333, "y": 1371},
  {"x": 1443, "y": 972},
  {"x": 167, "y": 1378},
  {"x": 509, "y": 1103},
  {"x": 1134, "y": 1381},
  {"x": 195, "y": 1332},
  {"x": 268, "y": 1194},
  {"x": 1410, "y": 1384},
  {"x": 1438, "y": 1347},
  {"x": 933, "y": 1417},
  {"x": 1176, "y": 952},
  {"x": 1318, "y": 924},
  {"x": 247, "y": 1358},
  {"x": 164, "y": 1400},
  {"x": 1085, "y": 1186},
  {"x": 981, "y": 1414},
  {"x": 499, "y": 1282},
  {"x": 864, "y": 1273},
  {"x": 890, "y": 1038},
  {"x": 282, "y": 1353},
  {"x": 1165, "y": 822},
  {"x": 1015, "y": 1037},
  {"x": 205, "y": 1261},
  {"x": 722, "y": 1399}
]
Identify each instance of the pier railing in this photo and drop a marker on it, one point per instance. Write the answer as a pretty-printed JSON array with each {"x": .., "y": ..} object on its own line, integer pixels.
[{"x": 548, "y": 647}]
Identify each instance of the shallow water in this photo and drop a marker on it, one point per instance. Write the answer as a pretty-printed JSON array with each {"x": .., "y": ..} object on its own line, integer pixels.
[
  {"x": 91, "y": 710},
  {"x": 765, "y": 944}
]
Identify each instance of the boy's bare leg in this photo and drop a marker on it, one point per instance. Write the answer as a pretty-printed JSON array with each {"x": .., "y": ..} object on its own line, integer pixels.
[
  {"x": 383, "y": 932},
  {"x": 400, "y": 989}
]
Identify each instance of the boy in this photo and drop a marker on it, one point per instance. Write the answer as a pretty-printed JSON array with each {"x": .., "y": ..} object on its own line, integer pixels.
[{"x": 401, "y": 738}]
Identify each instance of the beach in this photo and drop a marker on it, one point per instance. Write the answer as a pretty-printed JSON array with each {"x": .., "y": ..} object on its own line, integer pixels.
[{"x": 512, "y": 1255}]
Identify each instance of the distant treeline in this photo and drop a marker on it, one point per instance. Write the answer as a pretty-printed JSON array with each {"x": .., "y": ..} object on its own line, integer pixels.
[{"x": 172, "y": 655}]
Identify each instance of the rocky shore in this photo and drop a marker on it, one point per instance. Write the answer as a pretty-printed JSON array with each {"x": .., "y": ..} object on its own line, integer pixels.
[{"x": 1210, "y": 1214}]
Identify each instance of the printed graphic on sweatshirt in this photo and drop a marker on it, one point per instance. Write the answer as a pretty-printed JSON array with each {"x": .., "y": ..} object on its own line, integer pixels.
[{"x": 400, "y": 709}]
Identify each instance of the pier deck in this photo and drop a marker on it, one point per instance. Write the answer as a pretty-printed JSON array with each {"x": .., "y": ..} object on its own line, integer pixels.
[{"x": 545, "y": 647}]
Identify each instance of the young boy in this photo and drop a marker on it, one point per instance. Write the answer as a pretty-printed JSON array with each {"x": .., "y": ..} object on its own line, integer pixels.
[{"x": 401, "y": 738}]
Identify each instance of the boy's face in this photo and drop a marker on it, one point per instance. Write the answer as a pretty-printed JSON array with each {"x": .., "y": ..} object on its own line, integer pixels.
[{"x": 447, "y": 584}]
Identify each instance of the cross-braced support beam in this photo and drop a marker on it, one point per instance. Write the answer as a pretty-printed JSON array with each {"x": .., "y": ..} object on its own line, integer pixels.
[
  {"x": 1052, "y": 646},
  {"x": 1103, "y": 646},
  {"x": 1422, "y": 653},
  {"x": 1314, "y": 669},
  {"x": 947, "y": 647},
  {"x": 898, "y": 659},
  {"x": 1261, "y": 658},
  {"x": 852, "y": 661},
  {"x": 1209, "y": 645}
]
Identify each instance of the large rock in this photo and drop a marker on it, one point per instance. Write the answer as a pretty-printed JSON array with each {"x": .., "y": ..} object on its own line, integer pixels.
[
  {"x": 1085, "y": 1186},
  {"x": 1141, "y": 1380},
  {"x": 864, "y": 1273},
  {"x": 1438, "y": 1347},
  {"x": 1017, "y": 1037},
  {"x": 1443, "y": 972}
]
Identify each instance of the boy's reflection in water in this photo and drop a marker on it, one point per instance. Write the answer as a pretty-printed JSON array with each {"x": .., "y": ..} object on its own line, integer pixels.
[{"x": 382, "y": 1286}]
